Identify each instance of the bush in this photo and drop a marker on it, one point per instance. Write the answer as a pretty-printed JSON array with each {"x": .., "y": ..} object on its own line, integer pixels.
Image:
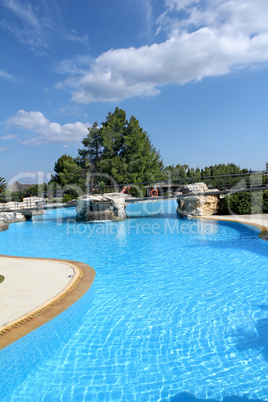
[
  {"x": 255, "y": 202},
  {"x": 240, "y": 203},
  {"x": 265, "y": 202},
  {"x": 67, "y": 198},
  {"x": 136, "y": 191},
  {"x": 69, "y": 195}
]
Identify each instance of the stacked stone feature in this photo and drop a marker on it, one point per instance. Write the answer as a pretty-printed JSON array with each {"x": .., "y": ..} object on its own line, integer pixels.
[{"x": 197, "y": 205}]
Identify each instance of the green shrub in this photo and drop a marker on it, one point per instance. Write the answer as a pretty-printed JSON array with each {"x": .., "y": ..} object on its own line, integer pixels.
[
  {"x": 69, "y": 195},
  {"x": 136, "y": 191},
  {"x": 240, "y": 203},
  {"x": 255, "y": 202},
  {"x": 265, "y": 202},
  {"x": 67, "y": 198}
]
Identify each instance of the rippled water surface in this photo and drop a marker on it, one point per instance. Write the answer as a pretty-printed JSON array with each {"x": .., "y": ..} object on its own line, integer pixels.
[{"x": 177, "y": 306}]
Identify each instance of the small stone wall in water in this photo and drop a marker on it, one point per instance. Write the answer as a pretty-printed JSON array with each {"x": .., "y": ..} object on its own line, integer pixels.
[{"x": 110, "y": 206}]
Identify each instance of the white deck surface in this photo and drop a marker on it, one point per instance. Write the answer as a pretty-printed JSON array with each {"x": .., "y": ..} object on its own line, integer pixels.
[{"x": 28, "y": 284}]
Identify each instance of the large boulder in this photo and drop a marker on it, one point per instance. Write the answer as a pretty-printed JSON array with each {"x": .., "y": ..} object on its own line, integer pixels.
[
  {"x": 197, "y": 205},
  {"x": 10, "y": 217},
  {"x": 111, "y": 206},
  {"x": 3, "y": 226}
]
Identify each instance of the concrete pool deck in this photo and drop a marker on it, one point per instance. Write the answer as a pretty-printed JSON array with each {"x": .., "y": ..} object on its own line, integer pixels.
[{"x": 36, "y": 290}]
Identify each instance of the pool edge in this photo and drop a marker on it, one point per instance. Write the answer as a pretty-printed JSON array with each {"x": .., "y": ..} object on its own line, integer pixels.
[
  {"x": 81, "y": 282},
  {"x": 263, "y": 229}
]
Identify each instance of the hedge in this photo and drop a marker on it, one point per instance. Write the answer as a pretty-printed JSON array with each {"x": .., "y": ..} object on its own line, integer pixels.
[{"x": 255, "y": 202}]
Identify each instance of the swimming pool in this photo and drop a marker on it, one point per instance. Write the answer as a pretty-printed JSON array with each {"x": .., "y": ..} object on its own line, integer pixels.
[{"x": 176, "y": 306}]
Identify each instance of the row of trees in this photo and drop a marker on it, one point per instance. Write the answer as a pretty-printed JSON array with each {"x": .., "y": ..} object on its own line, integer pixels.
[
  {"x": 185, "y": 171},
  {"x": 120, "y": 151}
]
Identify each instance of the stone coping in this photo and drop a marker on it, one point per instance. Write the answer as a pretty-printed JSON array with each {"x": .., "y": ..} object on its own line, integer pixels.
[{"x": 79, "y": 284}]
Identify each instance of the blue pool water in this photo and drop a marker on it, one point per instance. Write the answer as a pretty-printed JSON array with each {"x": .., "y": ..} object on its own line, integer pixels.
[{"x": 176, "y": 306}]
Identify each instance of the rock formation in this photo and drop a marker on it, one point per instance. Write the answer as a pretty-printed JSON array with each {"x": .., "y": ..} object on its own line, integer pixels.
[
  {"x": 111, "y": 206},
  {"x": 10, "y": 217},
  {"x": 3, "y": 226},
  {"x": 197, "y": 205}
]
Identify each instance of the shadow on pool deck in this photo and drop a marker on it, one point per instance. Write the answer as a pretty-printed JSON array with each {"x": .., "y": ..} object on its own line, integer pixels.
[{"x": 186, "y": 397}]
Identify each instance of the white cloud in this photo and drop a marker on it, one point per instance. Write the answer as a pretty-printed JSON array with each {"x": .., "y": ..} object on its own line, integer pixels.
[
  {"x": 36, "y": 24},
  {"x": 74, "y": 66},
  {"x": 6, "y": 76},
  {"x": 32, "y": 25},
  {"x": 205, "y": 39},
  {"x": 24, "y": 12},
  {"x": 179, "y": 4},
  {"x": 146, "y": 10},
  {"x": 8, "y": 137},
  {"x": 27, "y": 36},
  {"x": 46, "y": 131},
  {"x": 74, "y": 36},
  {"x": 28, "y": 29},
  {"x": 241, "y": 17},
  {"x": 2, "y": 149}
]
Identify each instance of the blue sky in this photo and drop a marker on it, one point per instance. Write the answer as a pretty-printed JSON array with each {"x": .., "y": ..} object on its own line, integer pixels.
[{"x": 193, "y": 72}]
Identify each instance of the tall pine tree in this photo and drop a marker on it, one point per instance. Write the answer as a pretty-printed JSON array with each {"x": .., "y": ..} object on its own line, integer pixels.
[{"x": 121, "y": 149}]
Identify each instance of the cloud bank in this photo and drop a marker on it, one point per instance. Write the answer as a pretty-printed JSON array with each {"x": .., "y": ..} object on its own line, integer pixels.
[
  {"x": 46, "y": 131},
  {"x": 203, "y": 39}
]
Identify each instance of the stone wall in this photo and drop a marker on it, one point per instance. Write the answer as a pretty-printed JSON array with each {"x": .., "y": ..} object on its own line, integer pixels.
[
  {"x": 110, "y": 206},
  {"x": 197, "y": 205}
]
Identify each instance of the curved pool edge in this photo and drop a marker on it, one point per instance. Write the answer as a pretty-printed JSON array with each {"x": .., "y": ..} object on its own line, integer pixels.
[
  {"x": 81, "y": 282},
  {"x": 226, "y": 218}
]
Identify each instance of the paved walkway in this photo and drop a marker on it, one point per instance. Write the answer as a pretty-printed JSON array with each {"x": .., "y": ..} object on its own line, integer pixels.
[{"x": 29, "y": 284}]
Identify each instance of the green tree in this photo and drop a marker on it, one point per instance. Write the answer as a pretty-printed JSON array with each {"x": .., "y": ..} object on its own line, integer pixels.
[
  {"x": 36, "y": 190},
  {"x": 90, "y": 155},
  {"x": 67, "y": 172},
  {"x": 120, "y": 149},
  {"x": 222, "y": 170},
  {"x": 113, "y": 130},
  {"x": 142, "y": 160}
]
